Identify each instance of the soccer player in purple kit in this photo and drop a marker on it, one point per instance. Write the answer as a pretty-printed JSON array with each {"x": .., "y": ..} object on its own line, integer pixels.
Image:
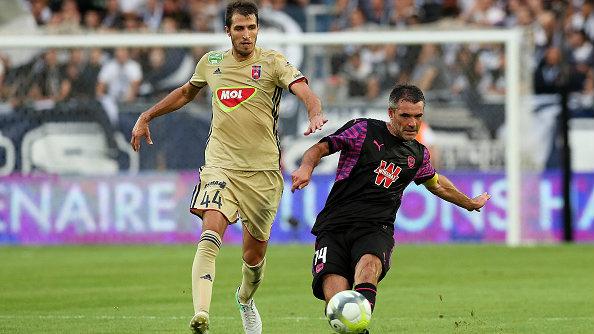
[{"x": 355, "y": 229}]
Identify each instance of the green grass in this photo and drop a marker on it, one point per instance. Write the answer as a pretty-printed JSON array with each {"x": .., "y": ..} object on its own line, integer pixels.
[{"x": 430, "y": 289}]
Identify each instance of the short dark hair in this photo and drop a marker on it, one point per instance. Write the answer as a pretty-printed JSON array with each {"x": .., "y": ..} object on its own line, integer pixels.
[
  {"x": 242, "y": 7},
  {"x": 405, "y": 92}
]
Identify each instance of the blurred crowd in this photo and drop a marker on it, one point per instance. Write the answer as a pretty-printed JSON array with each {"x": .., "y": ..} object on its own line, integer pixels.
[{"x": 563, "y": 32}]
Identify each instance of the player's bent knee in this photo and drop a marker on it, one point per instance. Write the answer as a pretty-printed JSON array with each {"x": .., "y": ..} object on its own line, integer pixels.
[
  {"x": 253, "y": 258},
  {"x": 254, "y": 250}
]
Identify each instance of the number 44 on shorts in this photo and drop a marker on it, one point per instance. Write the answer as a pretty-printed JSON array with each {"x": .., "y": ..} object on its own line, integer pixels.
[{"x": 216, "y": 199}]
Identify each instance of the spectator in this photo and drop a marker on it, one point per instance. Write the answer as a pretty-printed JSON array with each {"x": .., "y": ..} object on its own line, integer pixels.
[
  {"x": 46, "y": 88},
  {"x": 152, "y": 14},
  {"x": 547, "y": 76},
  {"x": 484, "y": 13},
  {"x": 376, "y": 11},
  {"x": 432, "y": 10},
  {"x": 429, "y": 73},
  {"x": 201, "y": 23},
  {"x": 40, "y": 11},
  {"x": 341, "y": 13},
  {"x": 358, "y": 21},
  {"x": 119, "y": 80},
  {"x": 112, "y": 19},
  {"x": 294, "y": 9},
  {"x": 491, "y": 62},
  {"x": 547, "y": 33},
  {"x": 92, "y": 20},
  {"x": 155, "y": 71},
  {"x": 175, "y": 10},
  {"x": 131, "y": 23},
  {"x": 583, "y": 19},
  {"x": 90, "y": 73},
  {"x": 169, "y": 25},
  {"x": 580, "y": 54},
  {"x": 359, "y": 79},
  {"x": 78, "y": 58},
  {"x": 585, "y": 100},
  {"x": 207, "y": 12},
  {"x": 518, "y": 14},
  {"x": 79, "y": 81},
  {"x": 465, "y": 71},
  {"x": 132, "y": 6},
  {"x": 71, "y": 17},
  {"x": 580, "y": 49},
  {"x": 404, "y": 13}
]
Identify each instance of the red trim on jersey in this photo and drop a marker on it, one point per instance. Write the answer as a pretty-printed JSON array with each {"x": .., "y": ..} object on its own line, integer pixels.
[{"x": 296, "y": 81}]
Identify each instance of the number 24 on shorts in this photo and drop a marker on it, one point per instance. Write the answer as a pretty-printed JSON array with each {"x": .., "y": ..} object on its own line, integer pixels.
[{"x": 216, "y": 199}]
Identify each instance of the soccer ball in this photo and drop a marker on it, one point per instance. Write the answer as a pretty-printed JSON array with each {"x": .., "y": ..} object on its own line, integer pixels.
[{"x": 348, "y": 312}]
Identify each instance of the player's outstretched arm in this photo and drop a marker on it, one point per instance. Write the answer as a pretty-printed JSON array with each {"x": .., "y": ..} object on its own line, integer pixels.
[
  {"x": 311, "y": 158},
  {"x": 313, "y": 106},
  {"x": 443, "y": 188},
  {"x": 173, "y": 101}
]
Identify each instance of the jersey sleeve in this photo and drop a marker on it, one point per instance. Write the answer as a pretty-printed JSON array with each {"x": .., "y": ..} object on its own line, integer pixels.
[
  {"x": 199, "y": 78},
  {"x": 426, "y": 171},
  {"x": 286, "y": 74},
  {"x": 349, "y": 137}
]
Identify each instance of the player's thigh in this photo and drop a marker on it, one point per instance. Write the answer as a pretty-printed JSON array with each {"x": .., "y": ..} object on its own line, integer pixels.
[
  {"x": 331, "y": 257},
  {"x": 214, "y": 221},
  {"x": 214, "y": 192},
  {"x": 377, "y": 241},
  {"x": 258, "y": 194}
]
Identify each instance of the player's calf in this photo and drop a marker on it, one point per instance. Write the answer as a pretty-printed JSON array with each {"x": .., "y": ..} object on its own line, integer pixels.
[
  {"x": 251, "y": 279},
  {"x": 203, "y": 270}
]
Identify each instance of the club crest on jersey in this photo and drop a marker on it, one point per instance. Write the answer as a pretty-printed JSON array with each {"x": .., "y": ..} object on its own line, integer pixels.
[
  {"x": 230, "y": 98},
  {"x": 386, "y": 174},
  {"x": 411, "y": 161},
  {"x": 256, "y": 72}
]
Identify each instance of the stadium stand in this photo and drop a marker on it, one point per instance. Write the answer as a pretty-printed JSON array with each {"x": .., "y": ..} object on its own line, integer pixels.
[{"x": 465, "y": 82}]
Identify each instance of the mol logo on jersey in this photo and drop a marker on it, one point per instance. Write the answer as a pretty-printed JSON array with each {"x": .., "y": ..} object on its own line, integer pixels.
[
  {"x": 386, "y": 174},
  {"x": 232, "y": 97}
]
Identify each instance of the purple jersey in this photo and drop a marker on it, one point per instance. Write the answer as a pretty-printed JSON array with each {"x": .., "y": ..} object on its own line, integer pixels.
[{"x": 374, "y": 169}]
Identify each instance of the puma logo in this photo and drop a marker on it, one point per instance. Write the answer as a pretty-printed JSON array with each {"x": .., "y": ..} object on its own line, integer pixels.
[
  {"x": 207, "y": 277},
  {"x": 379, "y": 146}
]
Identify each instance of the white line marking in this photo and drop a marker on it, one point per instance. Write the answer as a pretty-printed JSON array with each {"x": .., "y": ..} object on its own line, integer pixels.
[
  {"x": 154, "y": 317},
  {"x": 136, "y": 317}
]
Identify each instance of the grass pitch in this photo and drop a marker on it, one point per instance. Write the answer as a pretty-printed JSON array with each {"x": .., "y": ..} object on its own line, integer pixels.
[{"x": 430, "y": 289}]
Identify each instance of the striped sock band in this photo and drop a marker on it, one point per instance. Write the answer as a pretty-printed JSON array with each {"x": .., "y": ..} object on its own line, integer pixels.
[
  {"x": 211, "y": 236},
  {"x": 369, "y": 291}
]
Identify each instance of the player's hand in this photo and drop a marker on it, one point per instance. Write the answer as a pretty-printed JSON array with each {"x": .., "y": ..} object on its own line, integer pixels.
[
  {"x": 316, "y": 123},
  {"x": 140, "y": 130},
  {"x": 301, "y": 177},
  {"x": 478, "y": 202}
]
